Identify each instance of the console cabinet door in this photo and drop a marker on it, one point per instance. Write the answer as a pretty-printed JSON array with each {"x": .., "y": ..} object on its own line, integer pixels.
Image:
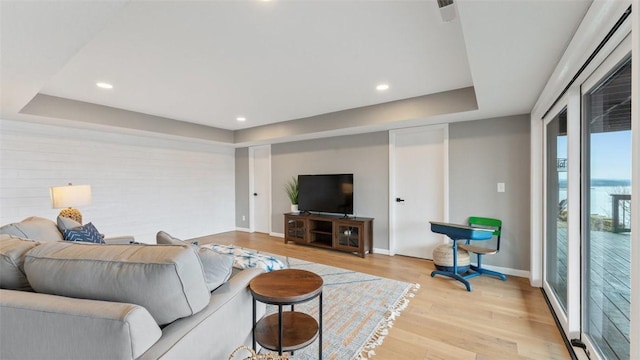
[
  {"x": 295, "y": 229},
  {"x": 349, "y": 236}
]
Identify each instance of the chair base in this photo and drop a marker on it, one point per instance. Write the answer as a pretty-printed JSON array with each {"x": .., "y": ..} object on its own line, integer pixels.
[
  {"x": 453, "y": 275},
  {"x": 484, "y": 271},
  {"x": 463, "y": 277}
]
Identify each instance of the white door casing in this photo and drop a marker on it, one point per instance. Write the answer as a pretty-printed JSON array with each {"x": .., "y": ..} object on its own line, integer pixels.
[
  {"x": 260, "y": 188},
  {"x": 418, "y": 188}
]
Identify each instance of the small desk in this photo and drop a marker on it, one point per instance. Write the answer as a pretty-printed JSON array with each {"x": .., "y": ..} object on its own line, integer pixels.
[
  {"x": 287, "y": 330},
  {"x": 459, "y": 232}
]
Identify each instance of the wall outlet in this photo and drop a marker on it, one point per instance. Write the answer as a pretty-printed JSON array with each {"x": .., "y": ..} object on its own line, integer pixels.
[
  {"x": 501, "y": 187},
  {"x": 244, "y": 218}
]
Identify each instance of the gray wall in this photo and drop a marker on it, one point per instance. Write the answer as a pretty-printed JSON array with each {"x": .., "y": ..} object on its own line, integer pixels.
[
  {"x": 481, "y": 154},
  {"x": 366, "y": 156},
  {"x": 242, "y": 188}
]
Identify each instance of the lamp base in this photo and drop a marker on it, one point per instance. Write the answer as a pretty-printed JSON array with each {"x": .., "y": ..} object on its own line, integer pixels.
[{"x": 71, "y": 213}]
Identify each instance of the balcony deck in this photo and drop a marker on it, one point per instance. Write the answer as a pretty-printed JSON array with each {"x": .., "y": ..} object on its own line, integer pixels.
[{"x": 610, "y": 300}]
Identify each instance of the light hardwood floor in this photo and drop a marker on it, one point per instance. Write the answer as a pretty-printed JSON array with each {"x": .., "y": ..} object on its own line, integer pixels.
[{"x": 497, "y": 320}]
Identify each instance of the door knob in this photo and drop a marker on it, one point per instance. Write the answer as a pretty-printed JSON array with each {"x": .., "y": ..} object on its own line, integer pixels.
[
  {"x": 255, "y": 194},
  {"x": 399, "y": 200}
]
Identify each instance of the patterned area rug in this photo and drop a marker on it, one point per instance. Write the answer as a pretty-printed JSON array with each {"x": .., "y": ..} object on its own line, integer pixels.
[{"x": 358, "y": 309}]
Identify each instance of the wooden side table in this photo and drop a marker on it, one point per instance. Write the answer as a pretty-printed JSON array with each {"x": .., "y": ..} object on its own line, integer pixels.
[{"x": 287, "y": 330}]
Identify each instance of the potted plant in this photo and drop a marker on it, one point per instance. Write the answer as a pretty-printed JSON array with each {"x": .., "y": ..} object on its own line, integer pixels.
[{"x": 291, "y": 188}]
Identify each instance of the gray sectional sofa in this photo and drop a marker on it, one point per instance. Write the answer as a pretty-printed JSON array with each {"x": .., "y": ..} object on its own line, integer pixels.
[{"x": 65, "y": 300}]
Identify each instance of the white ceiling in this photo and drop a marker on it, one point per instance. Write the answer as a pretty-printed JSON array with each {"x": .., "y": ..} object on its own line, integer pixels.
[{"x": 208, "y": 62}]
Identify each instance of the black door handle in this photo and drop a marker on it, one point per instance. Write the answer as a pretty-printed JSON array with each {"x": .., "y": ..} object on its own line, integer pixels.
[
  {"x": 255, "y": 194},
  {"x": 399, "y": 200}
]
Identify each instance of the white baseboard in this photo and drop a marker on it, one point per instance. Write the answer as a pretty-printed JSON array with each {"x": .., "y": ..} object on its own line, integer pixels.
[
  {"x": 243, "y": 229},
  {"x": 276, "y": 235},
  {"x": 507, "y": 271},
  {"x": 381, "y": 251}
]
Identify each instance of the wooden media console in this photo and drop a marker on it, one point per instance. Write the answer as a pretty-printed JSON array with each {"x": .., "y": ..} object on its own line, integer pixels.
[{"x": 354, "y": 235}]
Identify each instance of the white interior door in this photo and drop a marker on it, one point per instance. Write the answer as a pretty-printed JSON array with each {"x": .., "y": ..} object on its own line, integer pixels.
[
  {"x": 260, "y": 180},
  {"x": 419, "y": 189}
]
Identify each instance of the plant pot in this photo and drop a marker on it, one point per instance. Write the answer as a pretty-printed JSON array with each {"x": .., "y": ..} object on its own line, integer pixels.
[{"x": 294, "y": 209}]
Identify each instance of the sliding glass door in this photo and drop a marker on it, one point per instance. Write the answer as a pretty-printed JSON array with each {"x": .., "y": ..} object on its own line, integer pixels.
[
  {"x": 606, "y": 197},
  {"x": 556, "y": 208},
  {"x": 587, "y": 196}
]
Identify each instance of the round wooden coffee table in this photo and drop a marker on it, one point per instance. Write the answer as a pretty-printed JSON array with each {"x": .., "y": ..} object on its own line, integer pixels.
[{"x": 287, "y": 330}]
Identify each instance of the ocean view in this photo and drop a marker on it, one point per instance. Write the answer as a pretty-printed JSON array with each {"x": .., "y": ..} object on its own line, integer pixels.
[{"x": 601, "y": 191}]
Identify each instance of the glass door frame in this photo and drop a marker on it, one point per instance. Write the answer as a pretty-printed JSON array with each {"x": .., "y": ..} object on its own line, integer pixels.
[
  {"x": 615, "y": 59},
  {"x": 569, "y": 320}
]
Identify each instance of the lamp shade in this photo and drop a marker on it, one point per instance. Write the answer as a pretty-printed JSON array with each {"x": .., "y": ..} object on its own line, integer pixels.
[{"x": 70, "y": 196}]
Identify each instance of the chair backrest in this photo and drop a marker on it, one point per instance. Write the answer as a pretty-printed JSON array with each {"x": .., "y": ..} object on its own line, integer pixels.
[{"x": 488, "y": 223}]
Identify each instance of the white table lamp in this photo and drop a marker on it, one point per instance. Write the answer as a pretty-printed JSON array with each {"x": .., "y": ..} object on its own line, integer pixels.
[{"x": 68, "y": 197}]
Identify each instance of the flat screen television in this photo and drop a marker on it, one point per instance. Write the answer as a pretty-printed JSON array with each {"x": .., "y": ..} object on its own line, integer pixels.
[{"x": 331, "y": 193}]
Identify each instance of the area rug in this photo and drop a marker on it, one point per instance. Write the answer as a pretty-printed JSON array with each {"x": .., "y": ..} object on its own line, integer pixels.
[{"x": 358, "y": 310}]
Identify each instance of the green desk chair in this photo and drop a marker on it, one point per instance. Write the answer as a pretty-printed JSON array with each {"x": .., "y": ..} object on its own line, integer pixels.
[{"x": 485, "y": 223}]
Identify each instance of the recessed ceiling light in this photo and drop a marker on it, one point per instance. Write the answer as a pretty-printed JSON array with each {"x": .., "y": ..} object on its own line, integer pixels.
[
  {"x": 240, "y": 118},
  {"x": 382, "y": 87},
  {"x": 104, "y": 85}
]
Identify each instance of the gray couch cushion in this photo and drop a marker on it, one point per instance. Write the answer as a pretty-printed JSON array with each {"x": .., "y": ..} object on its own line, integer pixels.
[
  {"x": 34, "y": 228},
  {"x": 166, "y": 280},
  {"x": 217, "y": 268},
  {"x": 12, "y": 252},
  {"x": 43, "y": 326},
  {"x": 216, "y": 331}
]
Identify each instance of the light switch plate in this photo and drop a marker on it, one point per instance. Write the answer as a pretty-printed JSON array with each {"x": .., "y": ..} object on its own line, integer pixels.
[{"x": 501, "y": 187}]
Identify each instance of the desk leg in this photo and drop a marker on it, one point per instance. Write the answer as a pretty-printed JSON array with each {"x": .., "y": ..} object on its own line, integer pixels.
[
  {"x": 292, "y": 311},
  {"x": 253, "y": 328},
  {"x": 320, "y": 329},
  {"x": 455, "y": 256},
  {"x": 280, "y": 330}
]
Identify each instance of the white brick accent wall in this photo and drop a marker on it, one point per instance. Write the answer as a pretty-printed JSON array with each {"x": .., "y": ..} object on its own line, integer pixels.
[{"x": 140, "y": 184}]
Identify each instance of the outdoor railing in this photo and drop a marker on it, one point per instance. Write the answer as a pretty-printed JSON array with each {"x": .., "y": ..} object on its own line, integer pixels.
[{"x": 621, "y": 212}]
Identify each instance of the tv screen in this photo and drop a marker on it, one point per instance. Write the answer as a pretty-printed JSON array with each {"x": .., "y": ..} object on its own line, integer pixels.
[{"x": 326, "y": 193}]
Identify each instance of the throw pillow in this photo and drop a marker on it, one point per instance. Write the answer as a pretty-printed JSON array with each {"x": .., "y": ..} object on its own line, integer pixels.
[
  {"x": 64, "y": 223},
  {"x": 86, "y": 233},
  {"x": 163, "y": 238},
  {"x": 216, "y": 267}
]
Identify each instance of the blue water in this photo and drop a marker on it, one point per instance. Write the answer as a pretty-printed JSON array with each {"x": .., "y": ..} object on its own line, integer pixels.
[{"x": 601, "y": 198}]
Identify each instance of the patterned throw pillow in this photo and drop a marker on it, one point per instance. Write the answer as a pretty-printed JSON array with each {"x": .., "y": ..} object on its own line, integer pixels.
[{"x": 85, "y": 233}]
